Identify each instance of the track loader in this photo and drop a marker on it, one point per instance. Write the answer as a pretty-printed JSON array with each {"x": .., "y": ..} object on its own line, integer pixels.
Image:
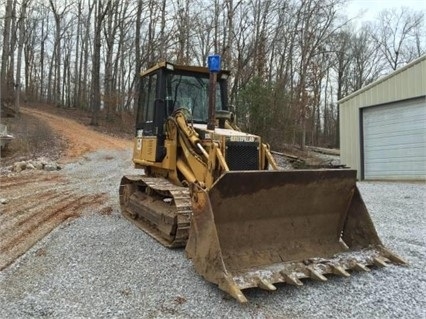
[{"x": 217, "y": 191}]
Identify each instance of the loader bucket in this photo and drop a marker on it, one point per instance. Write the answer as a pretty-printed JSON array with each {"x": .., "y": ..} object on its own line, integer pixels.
[{"x": 259, "y": 228}]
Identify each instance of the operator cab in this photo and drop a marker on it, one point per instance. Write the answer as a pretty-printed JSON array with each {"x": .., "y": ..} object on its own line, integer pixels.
[{"x": 167, "y": 87}]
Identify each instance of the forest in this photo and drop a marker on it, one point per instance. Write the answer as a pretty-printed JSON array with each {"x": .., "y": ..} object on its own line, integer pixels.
[{"x": 291, "y": 60}]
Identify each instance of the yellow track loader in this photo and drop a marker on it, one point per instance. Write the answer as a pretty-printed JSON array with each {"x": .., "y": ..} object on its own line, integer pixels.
[{"x": 217, "y": 191}]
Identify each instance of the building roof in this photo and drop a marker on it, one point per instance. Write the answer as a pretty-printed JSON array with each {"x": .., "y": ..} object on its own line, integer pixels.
[{"x": 383, "y": 79}]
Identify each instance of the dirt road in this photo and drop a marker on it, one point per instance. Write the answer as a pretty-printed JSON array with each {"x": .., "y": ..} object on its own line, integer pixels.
[
  {"x": 39, "y": 201},
  {"x": 80, "y": 139}
]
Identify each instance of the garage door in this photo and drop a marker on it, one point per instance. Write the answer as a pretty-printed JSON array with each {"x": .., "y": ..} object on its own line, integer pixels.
[{"x": 395, "y": 141}]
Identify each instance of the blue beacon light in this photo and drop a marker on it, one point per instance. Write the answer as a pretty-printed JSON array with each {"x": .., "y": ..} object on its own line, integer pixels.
[{"x": 214, "y": 62}]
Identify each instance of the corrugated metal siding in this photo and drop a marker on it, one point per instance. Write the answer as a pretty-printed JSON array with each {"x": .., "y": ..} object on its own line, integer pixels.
[
  {"x": 405, "y": 83},
  {"x": 349, "y": 137}
]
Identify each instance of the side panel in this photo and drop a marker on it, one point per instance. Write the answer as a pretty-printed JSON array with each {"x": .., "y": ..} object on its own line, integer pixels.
[{"x": 149, "y": 147}]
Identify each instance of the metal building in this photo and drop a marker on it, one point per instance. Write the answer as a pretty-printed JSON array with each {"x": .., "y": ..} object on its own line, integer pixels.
[{"x": 383, "y": 126}]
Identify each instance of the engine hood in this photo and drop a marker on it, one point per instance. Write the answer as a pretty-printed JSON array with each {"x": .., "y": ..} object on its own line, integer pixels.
[{"x": 223, "y": 133}]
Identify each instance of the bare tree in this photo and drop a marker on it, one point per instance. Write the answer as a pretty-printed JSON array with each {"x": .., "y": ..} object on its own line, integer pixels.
[
  {"x": 202, "y": 35},
  {"x": 137, "y": 48},
  {"x": 367, "y": 62},
  {"x": 101, "y": 10},
  {"x": 30, "y": 85},
  {"x": 397, "y": 35},
  {"x": 124, "y": 72},
  {"x": 78, "y": 35},
  {"x": 182, "y": 32},
  {"x": 6, "y": 74},
  {"x": 59, "y": 30},
  {"x": 84, "y": 96},
  {"x": 342, "y": 52},
  {"x": 110, "y": 31},
  {"x": 43, "y": 55},
  {"x": 316, "y": 27},
  {"x": 22, "y": 35}
]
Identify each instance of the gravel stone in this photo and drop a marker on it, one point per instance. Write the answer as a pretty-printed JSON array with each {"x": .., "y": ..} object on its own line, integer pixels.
[
  {"x": 38, "y": 165},
  {"x": 102, "y": 266},
  {"x": 50, "y": 167},
  {"x": 19, "y": 166}
]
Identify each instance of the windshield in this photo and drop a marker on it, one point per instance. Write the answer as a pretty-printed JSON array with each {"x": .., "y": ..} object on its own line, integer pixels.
[{"x": 190, "y": 92}]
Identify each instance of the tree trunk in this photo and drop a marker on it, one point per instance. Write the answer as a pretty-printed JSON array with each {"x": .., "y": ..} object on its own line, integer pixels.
[
  {"x": 96, "y": 61},
  {"x": 138, "y": 62},
  {"x": 21, "y": 27},
  {"x": 6, "y": 90},
  {"x": 77, "y": 75}
]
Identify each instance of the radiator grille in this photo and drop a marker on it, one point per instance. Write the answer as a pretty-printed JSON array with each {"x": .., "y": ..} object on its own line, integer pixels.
[{"x": 242, "y": 156}]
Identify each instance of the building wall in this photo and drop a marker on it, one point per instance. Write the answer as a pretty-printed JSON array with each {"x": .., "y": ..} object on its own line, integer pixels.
[{"x": 403, "y": 84}]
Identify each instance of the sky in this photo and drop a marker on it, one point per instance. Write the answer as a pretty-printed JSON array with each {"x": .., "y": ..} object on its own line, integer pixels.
[{"x": 373, "y": 7}]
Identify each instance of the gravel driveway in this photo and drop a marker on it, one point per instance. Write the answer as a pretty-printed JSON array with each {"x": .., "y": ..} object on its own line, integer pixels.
[{"x": 101, "y": 266}]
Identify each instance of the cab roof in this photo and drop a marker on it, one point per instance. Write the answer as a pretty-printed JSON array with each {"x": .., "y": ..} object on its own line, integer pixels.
[{"x": 179, "y": 67}]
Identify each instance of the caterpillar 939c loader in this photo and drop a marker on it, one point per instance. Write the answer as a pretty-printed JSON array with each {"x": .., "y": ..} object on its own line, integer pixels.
[{"x": 218, "y": 191}]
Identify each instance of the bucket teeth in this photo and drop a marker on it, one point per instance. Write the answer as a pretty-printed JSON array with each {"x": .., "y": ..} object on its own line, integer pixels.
[
  {"x": 315, "y": 274},
  {"x": 379, "y": 262},
  {"x": 231, "y": 288},
  {"x": 291, "y": 279},
  {"x": 395, "y": 258},
  {"x": 361, "y": 267},
  {"x": 339, "y": 270},
  {"x": 239, "y": 296},
  {"x": 265, "y": 284}
]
